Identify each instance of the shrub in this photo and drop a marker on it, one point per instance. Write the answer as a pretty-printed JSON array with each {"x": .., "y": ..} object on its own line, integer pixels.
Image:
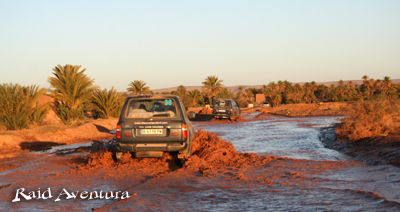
[
  {"x": 377, "y": 117},
  {"x": 66, "y": 113},
  {"x": 107, "y": 103},
  {"x": 18, "y": 106}
]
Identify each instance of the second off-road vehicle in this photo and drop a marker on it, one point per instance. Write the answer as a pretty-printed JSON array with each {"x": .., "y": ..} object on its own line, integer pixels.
[
  {"x": 150, "y": 125},
  {"x": 226, "y": 108}
]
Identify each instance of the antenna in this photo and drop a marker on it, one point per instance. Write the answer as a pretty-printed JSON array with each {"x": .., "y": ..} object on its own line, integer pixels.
[{"x": 140, "y": 64}]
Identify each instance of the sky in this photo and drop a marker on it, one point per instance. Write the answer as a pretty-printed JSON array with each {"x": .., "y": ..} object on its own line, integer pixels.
[{"x": 171, "y": 43}]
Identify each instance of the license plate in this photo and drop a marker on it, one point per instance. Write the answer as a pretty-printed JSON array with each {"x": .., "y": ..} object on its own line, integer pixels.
[
  {"x": 221, "y": 110},
  {"x": 151, "y": 131}
]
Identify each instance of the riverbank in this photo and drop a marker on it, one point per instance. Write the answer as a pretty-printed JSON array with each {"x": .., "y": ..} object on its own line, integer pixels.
[
  {"x": 374, "y": 150},
  {"x": 42, "y": 137}
]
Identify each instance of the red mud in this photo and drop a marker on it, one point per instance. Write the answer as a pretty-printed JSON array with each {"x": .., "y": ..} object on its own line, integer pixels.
[{"x": 209, "y": 152}]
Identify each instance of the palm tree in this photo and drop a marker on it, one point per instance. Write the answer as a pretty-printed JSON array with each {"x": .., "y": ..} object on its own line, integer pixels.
[
  {"x": 107, "y": 103},
  {"x": 276, "y": 99},
  {"x": 341, "y": 83},
  {"x": 70, "y": 86},
  {"x": 264, "y": 89},
  {"x": 307, "y": 87},
  {"x": 249, "y": 94},
  {"x": 313, "y": 86},
  {"x": 273, "y": 86},
  {"x": 212, "y": 84},
  {"x": 288, "y": 85},
  {"x": 366, "y": 88},
  {"x": 181, "y": 90},
  {"x": 225, "y": 94},
  {"x": 19, "y": 107},
  {"x": 322, "y": 91},
  {"x": 138, "y": 87},
  {"x": 351, "y": 84},
  {"x": 365, "y": 78},
  {"x": 386, "y": 83},
  {"x": 298, "y": 92},
  {"x": 240, "y": 92},
  {"x": 282, "y": 86},
  {"x": 194, "y": 95}
]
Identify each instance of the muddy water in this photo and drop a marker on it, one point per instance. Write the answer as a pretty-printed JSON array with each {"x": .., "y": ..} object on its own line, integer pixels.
[
  {"x": 278, "y": 136},
  {"x": 303, "y": 175},
  {"x": 298, "y": 138}
]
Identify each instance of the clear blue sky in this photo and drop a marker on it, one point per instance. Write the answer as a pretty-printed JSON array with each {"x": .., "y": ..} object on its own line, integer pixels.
[{"x": 169, "y": 43}]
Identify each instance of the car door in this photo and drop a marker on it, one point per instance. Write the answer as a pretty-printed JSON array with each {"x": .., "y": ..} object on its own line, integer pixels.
[{"x": 237, "y": 108}]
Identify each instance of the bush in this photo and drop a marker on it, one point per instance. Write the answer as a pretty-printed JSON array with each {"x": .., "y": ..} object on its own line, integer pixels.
[
  {"x": 18, "y": 106},
  {"x": 378, "y": 117},
  {"x": 107, "y": 103},
  {"x": 66, "y": 113}
]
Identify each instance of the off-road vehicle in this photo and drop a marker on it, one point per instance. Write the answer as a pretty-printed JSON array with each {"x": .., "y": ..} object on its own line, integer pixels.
[
  {"x": 150, "y": 125},
  {"x": 226, "y": 108}
]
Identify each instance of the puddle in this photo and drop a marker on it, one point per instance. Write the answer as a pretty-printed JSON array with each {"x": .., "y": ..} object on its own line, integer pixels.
[
  {"x": 64, "y": 149},
  {"x": 5, "y": 172}
]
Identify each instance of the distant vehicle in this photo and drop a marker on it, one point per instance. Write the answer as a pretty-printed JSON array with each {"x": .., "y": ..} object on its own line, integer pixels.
[
  {"x": 150, "y": 125},
  {"x": 265, "y": 104},
  {"x": 226, "y": 108}
]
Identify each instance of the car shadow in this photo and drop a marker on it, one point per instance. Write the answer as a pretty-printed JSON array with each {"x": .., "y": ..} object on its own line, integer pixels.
[
  {"x": 102, "y": 129},
  {"x": 202, "y": 117}
]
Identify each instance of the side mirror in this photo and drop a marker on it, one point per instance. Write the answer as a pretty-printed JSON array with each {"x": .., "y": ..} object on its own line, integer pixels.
[{"x": 192, "y": 115}]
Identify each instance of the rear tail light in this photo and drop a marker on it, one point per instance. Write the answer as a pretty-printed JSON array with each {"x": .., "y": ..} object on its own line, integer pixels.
[
  {"x": 118, "y": 132},
  {"x": 184, "y": 131},
  {"x": 231, "y": 110},
  {"x": 212, "y": 110}
]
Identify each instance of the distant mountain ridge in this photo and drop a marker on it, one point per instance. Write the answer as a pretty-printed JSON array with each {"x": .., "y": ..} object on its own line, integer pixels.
[{"x": 235, "y": 89}]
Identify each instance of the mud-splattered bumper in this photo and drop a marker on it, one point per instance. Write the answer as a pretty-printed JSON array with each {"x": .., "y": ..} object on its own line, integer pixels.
[
  {"x": 222, "y": 116},
  {"x": 151, "y": 147}
]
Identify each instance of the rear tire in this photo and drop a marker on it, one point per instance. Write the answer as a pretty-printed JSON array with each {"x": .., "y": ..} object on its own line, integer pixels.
[{"x": 186, "y": 152}]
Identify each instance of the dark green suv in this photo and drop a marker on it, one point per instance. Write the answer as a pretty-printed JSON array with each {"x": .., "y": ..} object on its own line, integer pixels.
[
  {"x": 150, "y": 125},
  {"x": 226, "y": 108}
]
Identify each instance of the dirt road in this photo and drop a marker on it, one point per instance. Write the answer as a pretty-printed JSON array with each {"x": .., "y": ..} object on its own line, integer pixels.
[{"x": 291, "y": 171}]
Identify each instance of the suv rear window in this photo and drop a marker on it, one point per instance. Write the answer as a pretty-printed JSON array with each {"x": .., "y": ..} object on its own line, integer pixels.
[
  {"x": 147, "y": 108},
  {"x": 221, "y": 103}
]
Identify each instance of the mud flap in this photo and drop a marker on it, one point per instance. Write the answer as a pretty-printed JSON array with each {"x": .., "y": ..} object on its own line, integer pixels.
[
  {"x": 187, "y": 151},
  {"x": 118, "y": 155}
]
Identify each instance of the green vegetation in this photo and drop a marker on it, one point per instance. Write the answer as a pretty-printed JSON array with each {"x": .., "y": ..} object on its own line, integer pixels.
[
  {"x": 138, "y": 87},
  {"x": 107, "y": 103},
  {"x": 18, "y": 106},
  {"x": 376, "y": 108},
  {"x": 310, "y": 92},
  {"x": 212, "y": 84},
  {"x": 194, "y": 96},
  {"x": 71, "y": 90}
]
